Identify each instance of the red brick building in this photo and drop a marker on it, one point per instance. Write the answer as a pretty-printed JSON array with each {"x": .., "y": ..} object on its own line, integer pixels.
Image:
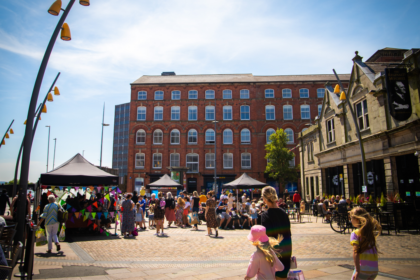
[{"x": 171, "y": 123}]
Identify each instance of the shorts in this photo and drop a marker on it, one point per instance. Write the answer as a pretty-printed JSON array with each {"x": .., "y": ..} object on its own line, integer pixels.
[
  {"x": 224, "y": 215},
  {"x": 235, "y": 217},
  {"x": 364, "y": 276},
  {"x": 254, "y": 216},
  {"x": 151, "y": 217}
]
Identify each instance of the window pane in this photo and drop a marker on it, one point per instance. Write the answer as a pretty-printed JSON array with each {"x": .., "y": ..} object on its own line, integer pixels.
[
  {"x": 192, "y": 163},
  {"x": 228, "y": 160},
  {"x": 227, "y": 136},
  {"x": 192, "y": 113},
  {"x": 141, "y": 137},
  {"x": 269, "y": 113},
  {"x": 227, "y": 112},
  {"x": 175, "y": 113},
  {"x": 141, "y": 113},
  {"x": 289, "y": 133},
  {"x": 244, "y": 94},
  {"x": 210, "y": 113},
  {"x": 227, "y": 94},
  {"x": 246, "y": 160},
  {"x": 304, "y": 112},
  {"x": 245, "y": 136},
  {"x": 365, "y": 108},
  {"x": 210, "y": 136},
  {"x": 174, "y": 137},
  {"x": 159, "y": 95},
  {"x": 320, "y": 92},
  {"x": 287, "y": 93},
  {"x": 319, "y": 109},
  {"x": 157, "y": 137},
  {"x": 269, "y": 93},
  {"x": 142, "y": 95},
  {"x": 174, "y": 160},
  {"x": 192, "y": 137},
  {"x": 304, "y": 93},
  {"x": 209, "y": 94},
  {"x": 244, "y": 112},
  {"x": 268, "y": 134},
  {"x": 209, "y": 160},
  {"x": 287, "y": 112},
  {"x": 158, "y": 113},
  {"x": 157, "y": 160},
  {"x": 192, "y": 94},
  {"x": 176, "y": 95},
  {"x": 359, "y": 109},
  {"x": 139, "y": 161}
]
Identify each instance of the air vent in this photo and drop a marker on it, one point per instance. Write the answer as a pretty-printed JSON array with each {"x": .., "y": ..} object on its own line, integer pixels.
[{"x": 168, "y": 74}]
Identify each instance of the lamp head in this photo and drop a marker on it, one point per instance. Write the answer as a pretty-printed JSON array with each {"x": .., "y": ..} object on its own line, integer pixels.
[
  {"x": 337, "y": 89},
  {"x": 65, "y": 32},
  {"x": 50, "y": 97},
  {"x": 343, "y": 96},
  {"x": 55, "y": 8},
  {"x": 84, "y": 2},
  {"x": 44, "y": 109},
  {"x": 7, "y": 135},
  {"x": 24, "y": 122},
  {"x": 56, "y": 91},
  {"x": 3, "y": 143},
  {"x": 11, "y": 131}
]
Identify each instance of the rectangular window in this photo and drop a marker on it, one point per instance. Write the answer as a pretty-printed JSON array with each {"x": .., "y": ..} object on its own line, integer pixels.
[
  {"x": 245, "y": 112},
  {"x": 192, "y": 163},
  {"x": 227, "y": 112},
  {"x": 227, "y": 94},
  {"x": 210, "y": 94},
  {"x": 192, "y": 94},
  {"x": 192, "y": 113},
  {"x": 292, "y": 163},
  {"x": 317, "y": 185},
  {"x": 304, "y": 112},
  {"x": 157, "y": 161},
  {"x": 176, "y": 95},
  {"x": 175, "y": 113},
  {"x": 319, "y": 109},
  {"x": 209, "y": 113},
  {"x": 269, "y": 113},
  {"x": 320, "y": 92},
  {"x": 142, "y": 95},
  {"x": 362, "y": 114},
  {"x": 330, "y": 131},
  {"x": 246, "y": 160},
  {"x": 159, "y": 95},
  {"x": 244, "y": 94},
  {"x": 141, "y": 113},
  {"x": 287, "y": 93},
  {"x": 269, "y": 93},
  {"x": 174, "y": 160},
  {"x": 228, "y": 161},
  {"x": 287, "y": 112},
  {"x": 304, "y": 93},
  {"x": 158, "y": 113},
  {"x": 210, "y": 160},
  {"x": 140, "y": 160}
]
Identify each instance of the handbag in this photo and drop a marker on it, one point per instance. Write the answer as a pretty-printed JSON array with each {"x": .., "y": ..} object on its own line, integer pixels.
[
  {"x": 295, "y": 275},
  {"x": 135, "y": 233},
  {"x": 193, "y": 218},
  {"x": 62, "y": 235},
  {"x": 293, "y": 263},
  {"x": 62, "y": 216},
  {"x": 41, "y": 239}
]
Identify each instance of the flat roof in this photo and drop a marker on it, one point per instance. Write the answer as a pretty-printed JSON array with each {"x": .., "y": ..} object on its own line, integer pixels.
[{"x": 234, "y": 78}]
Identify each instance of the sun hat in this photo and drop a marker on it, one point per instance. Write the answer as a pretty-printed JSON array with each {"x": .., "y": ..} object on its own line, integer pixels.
[{"x": 258, "y": 234}]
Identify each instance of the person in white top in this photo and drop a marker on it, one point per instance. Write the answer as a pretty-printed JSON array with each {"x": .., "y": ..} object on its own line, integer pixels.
[{"x": 230, "y": 200}]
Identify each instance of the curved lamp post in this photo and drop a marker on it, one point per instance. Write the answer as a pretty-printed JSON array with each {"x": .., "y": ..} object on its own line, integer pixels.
[
  {"x": 27, "y": 146},
  {"x": 6, "y": 135}
]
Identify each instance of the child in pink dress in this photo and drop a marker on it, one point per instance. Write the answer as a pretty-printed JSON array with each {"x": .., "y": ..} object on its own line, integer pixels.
[{"x": 264, "y": 262}]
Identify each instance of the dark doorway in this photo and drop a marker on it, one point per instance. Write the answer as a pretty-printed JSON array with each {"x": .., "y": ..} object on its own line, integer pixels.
[
  {"x": 334, "y": 180},
  {"x": 408, "y": 178},
  {"x": 375, "y": 178},
  {"x": 312, "y": 189},
  {"x": 191, "y": 185}
]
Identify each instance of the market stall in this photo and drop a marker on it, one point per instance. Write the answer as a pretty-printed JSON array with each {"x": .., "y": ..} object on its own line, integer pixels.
[
  {"x": 244, "y": 182},
  {"x": 165, "y": 184}
]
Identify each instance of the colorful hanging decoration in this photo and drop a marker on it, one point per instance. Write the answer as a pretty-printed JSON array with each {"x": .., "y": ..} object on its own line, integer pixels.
[
  {"x": 71, "y": 219},
  {"x": 118, "y": 190},
  {"x": 68, "y": 188},
  {"x": 87, "y": 214},
  {"x": 52, "y": 187},
  {"x": 89, "y": 208},
  {"x": 112, "y": 214},
  {"x": 76, "y": 188},
  {"x": 89, "y": 222},
  {"x": 95, "y": 204},
  {"x": 99, "y": 215},
  {"x": 107, "y": 233},
  {"x": 93, "y": 214},
  {"x": 44, "y": 187},
  {"x": 106, "y": 215},
  {"x": 77, "y": 215}
]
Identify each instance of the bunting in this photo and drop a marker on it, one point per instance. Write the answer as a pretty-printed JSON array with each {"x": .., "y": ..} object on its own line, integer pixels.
[
  {"x": 53, "y": 187},
  {"x": 76, "y": 188},
  {"x": 101, "y": 200},
  {"x": 49, "y": 193},
  {"x": 99, "y": 215},
  {"x": 93, "y": 214},
  {"x": 87, "y": 214},
  {"x": 95, "y": 204},
  {"x": 60, "y": 188},
  {"x": 101, "y": 230},
  {"x": 71, "y": 219},
  {"x": 68, "y": 188},
  {"x": 106, "y": 215},
  {"x": 77, "y": 215},
  {"x": 83, "y": 211},
  {"x": 91, "y": 188},
  {"x": 94, "y": 226},
  {"x": 68, "y": 206},
  {"x": 90, "y": 222},
  {"x": 84, "y": 218},
  {"x": 106, "y": 189},
  {"x": 73, "y": 210},
  {"x": 62, "y": 202},
  {"x": 89, "y": 208},
  {"x": 118, "y": 190},
  {"x": 99, "y": 189},
  {"x": 107, "y": 197},
  {"x": 84, "y": 188},
  {"x": 43, "y": 187},
  {"x": 112, "y": 214},
  {"x": 88, "y": 196},
  {"x": 107, "y": 233}
]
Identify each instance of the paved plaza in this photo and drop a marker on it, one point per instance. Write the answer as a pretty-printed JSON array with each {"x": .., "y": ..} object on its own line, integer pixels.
[{"x": 186, "y": 254}]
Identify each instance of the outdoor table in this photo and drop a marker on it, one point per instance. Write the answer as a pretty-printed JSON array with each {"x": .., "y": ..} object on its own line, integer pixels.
[{"x": 388, "y": 215}]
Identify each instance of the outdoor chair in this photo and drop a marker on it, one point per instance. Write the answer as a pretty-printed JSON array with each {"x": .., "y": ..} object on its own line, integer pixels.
[
  {"x": 6, "y": 239},
  {"x": 305, "y": 213},
  {"x": 320, "y": 213},
  {"x": 1, "y": 230},
  {"x": 11, "y": 263},
  {"x": 314, "y": 209},
  {"x": 387, "y": 218}
]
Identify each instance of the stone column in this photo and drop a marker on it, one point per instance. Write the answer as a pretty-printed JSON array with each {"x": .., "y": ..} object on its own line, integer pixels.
[
  {"x": 350, "y": 184},
  {"x": 346, "y": 180},
  {"x": 390, "y": 175}
]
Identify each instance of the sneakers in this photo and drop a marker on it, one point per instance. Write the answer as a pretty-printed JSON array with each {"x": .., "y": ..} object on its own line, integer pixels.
[
  {"x": 58, "y": 247},
  {"x": 233, "y": 227}
]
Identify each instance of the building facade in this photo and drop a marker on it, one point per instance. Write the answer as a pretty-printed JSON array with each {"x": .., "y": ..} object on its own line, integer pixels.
[
  {"x": 172, "y": 124},
  {"x": 120, "y": 145},
  {"x": 383, "y": 92}
]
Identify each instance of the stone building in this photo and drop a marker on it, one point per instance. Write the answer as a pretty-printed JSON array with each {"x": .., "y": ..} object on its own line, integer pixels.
[
  {"x": 171, "y": 124},
  {"x": 387, "y": 110}
]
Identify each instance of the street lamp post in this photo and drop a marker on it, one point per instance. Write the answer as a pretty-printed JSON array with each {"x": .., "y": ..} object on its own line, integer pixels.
[
  {"x": 6, "y": 134},
  {"x": 48, "y": 150},
  {"x": 102, "y": 135},
  {"x": 215, "y": 156},
  {"x": 55, "y": 142}
]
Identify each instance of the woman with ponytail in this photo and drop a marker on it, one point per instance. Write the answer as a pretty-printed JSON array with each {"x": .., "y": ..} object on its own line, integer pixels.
[{"x": 363, "y": 240}]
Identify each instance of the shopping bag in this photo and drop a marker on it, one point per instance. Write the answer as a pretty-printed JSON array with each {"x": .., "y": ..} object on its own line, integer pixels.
[
  {"x": 62, "y": 235},
  {"x": 293, "y": 263},
  {"x": 295, "y": 275},
  {"x": 41, "y": 239},
  {"x": 135, "y": 233},
  {"x": 193, "y": 218}
]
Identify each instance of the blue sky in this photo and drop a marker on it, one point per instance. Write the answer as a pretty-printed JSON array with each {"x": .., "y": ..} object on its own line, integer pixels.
[{"x": 115, "y": 42}]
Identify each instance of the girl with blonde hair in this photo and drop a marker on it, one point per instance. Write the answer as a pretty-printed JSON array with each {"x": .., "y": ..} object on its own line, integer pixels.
[
  {"x": 179, "y": 210},
  {"x": 363, "y": 240}
]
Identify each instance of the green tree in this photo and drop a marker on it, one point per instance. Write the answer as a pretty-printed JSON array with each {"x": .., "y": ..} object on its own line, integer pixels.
[{"x": 278, "y": 157}]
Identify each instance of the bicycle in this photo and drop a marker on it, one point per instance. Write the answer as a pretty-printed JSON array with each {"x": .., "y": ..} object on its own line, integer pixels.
[{"x": 340, "y": 222}]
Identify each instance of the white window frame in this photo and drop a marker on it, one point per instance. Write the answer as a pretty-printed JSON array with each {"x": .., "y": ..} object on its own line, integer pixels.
[
  {"x": 208, "y": 114},
  {"x": 190, "y": 112},
  {"x": 210, "y": 161},
  {"x": 320, "y": 92},
  {"x": 227, "y": 94},
  {"x": 174, "y": 137},
  {"x": 143, "y": 93},
  {"x": 141, "y": 113},
  {"x": 244, "y": 159},
  {"x": 157, "y": 161},
  {"x": 156, "y": 114},
  {"x": 364, "y": 117},
  {"x": 249, "y": 112},
  {"x": 173, "y": 95},
  {"x": 159, "y": 92},
  {"x": 319, "y": 109},
  {"x": 156, "y": 137},
  {"x": 303, "y": 92},
  {"x": 285, "y": 93},
  {"x": 286, "y": 113},
  {"x": 244, "y": 94},
  {"x": 176, "y": 114},
  {"x": 191, "y": 92},
  {"x": 302, "y": 112},
  {"x": 196, "y": 136},
  {"x": 292, "y": 134},
  {"x": 227, "y": 158},
  {"x": 139, "y": 159},
  {"x": 226, "y": 110},
  {"x": 225, "y": 136},
  {"x": 292, "y": 162},
  {"x": 138, "y": 136},
  {"x": 208, "y": 94},
  {"x": 267, "y": 137},
  {"x": 207, "y": 140},
  {"x": 173, "y": 159},
  {"x": 267, "y": 113},
  {"x": 330, "y": 130},
  {"x": 189, "y": 163},
  {"x": 242, "y": 138},
  {"x": 269, "y": 93}
]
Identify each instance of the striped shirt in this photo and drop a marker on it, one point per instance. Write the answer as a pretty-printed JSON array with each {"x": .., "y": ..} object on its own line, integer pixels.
[
  {"x": 50, "y": 214},
  {"x": 368, "y": 259}
]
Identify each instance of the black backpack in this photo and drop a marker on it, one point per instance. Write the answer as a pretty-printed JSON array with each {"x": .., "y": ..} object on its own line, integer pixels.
[{"x": 172, "y": 204}]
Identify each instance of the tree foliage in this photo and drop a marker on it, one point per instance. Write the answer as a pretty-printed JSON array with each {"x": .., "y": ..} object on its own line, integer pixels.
[{"x": 279, "y": 157}]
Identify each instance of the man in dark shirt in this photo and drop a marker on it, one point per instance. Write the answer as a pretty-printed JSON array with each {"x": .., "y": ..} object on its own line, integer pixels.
[
  {"x": 135, "y": 198},
  {"x": 4, "y": 199},
  {"x": 221, "y": 211}
]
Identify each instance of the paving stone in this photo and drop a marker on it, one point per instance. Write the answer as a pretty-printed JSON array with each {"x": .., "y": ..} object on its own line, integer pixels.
[
  {"x": 309, "y": 274},
  {"x": 209, "y": 276},
  {"x": 334, "y": 270},
  {"x": 117, "y": 271}
]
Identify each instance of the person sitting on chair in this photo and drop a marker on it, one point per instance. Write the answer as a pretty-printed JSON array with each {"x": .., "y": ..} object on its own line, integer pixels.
[{"x": 325, "y": 210}]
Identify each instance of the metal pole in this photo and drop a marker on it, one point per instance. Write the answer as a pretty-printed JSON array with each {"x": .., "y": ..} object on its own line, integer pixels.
[
  {"x": 6, "y": 132},
  {"x": 55, "y": 142},
  {"x": 359, "y": 137},
  {"x": 29, "y": 129},
  {"x": 48, "y": 150},
  {"x": 102, "y": 135}
]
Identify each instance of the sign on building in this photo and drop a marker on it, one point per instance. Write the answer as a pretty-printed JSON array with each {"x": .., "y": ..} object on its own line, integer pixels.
[{"x": 399, "y": 101}]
